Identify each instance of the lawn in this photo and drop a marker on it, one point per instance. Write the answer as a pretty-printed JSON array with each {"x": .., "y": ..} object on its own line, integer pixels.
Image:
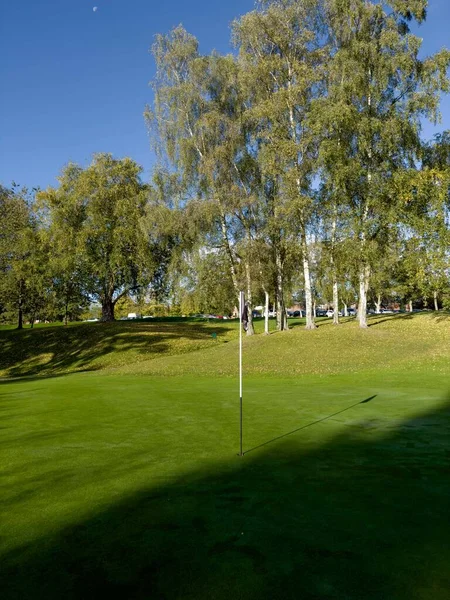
[{"x": 123, "y": 480}]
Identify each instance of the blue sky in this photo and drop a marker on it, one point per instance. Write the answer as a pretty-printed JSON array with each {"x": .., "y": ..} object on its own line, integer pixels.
[{"x": 75, "y": 81}]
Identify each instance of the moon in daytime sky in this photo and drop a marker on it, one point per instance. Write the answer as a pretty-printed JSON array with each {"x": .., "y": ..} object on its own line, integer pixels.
[{"x": 95, "y": 9}]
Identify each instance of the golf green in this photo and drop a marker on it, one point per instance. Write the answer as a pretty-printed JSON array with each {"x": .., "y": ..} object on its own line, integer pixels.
[{"x": 129, "y": 486}]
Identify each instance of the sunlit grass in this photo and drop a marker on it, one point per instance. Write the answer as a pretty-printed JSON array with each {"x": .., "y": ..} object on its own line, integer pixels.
[
  {"x": 125, "y": 481},
  {"x": 177, "y": 346}
]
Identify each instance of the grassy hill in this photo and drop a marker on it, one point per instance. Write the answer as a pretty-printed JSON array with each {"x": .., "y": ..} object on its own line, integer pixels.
[
  {"x": 119, "y": 472},
  {"x": 181, "y": 346}
]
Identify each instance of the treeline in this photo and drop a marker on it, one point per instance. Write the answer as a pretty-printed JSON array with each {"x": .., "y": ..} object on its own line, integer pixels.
[
  {"x": 293, "y": 169},
  {"x": 97, "y": 238}
]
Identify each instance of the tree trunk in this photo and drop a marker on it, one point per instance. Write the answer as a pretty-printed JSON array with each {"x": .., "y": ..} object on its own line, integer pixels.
[
  {"x": 107, "y": 309},
  {"x": 378, "y": 304},
  {"x": 335, "y": 303},
  {"x": 266, "y": 313},
  {"x": 333, "y": 268},
  {"x": 282, "y": 323},
  {"x": 229, "y": 251},
  {"x": 20, "y": 304},
  {"x": 364, "y": 272},
  {"x": 436, "y": 305},
  {"x": 308, "y": 293},
  {"x": 249, "y": 302},
  {"x": 364, "y": 275},
  {"x": 410, "y": 306},
  {"x": 345, "y": 310}
]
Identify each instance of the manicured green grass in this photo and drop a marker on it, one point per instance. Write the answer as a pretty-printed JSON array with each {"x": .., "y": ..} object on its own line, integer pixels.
[{"x": 126, "y": 483}]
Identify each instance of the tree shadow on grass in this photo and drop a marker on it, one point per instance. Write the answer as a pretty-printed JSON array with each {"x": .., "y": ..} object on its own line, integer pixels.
[
  {"x": 374, "y": 320},
  {"x": 441, "y": 316},
  {"x": 364, "y": 515},
  {"x": 48, "y": 351},
  {"x": 26, "y": 378},
  {"x": 280, "y": 437}
]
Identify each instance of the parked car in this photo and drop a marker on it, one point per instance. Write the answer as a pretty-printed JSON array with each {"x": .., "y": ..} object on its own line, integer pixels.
[{"x": 321, "y": 313}]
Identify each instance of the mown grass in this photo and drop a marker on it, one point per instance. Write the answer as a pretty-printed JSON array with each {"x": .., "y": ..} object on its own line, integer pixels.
[
  {"x": 125, "y": 481},
  {"x": 205, "y": 348}
]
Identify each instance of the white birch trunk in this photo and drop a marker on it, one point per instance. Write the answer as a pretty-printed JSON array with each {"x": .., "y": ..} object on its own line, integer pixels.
[
  {"x": 335, "y": 303},
  {"x": 306, "y": 271},
  {"x": 364, "y": 275},
  {"x": 266, "y": 313},
  {"x": 378, "y": 305},
  {"x": 436, "y": 305},
  {"x": 364, "y": 271},
  {"x": 333, "y": 269},
  {"x": 345, "y": 310},
  {"x": 310, "y": 315}
]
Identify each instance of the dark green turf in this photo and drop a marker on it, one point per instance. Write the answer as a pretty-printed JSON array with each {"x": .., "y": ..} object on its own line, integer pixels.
[{"x": 129, "y": 487}]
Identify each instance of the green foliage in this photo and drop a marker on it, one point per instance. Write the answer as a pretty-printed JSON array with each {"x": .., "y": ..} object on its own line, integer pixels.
[
  {"x": 23, "y": 283},
  {"x": 294, "y": 167},
  {"x": 97, "y": 230}
]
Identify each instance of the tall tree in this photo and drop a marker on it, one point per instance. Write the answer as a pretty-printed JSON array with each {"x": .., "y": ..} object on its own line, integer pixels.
[
  {"x": 426, "y": 221},
  {"x": 62, "y": 223},
  {"x": 104, "y": 204},
  {"x": 378, "y": 90},
  {"x": 281, "y": 56},
  {"x": 198, "y": 116},
  {"x": 22, "y": 259}
]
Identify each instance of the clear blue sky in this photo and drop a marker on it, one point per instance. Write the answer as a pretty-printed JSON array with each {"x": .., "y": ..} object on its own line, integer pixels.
[{"x": 75, "y": 81}]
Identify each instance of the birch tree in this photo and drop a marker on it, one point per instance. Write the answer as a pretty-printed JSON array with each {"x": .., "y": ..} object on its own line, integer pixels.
[
  {"x": 198, "y": 118},
  {"x": 378, "y": 90},
  {"x": 280, "y": 54}
]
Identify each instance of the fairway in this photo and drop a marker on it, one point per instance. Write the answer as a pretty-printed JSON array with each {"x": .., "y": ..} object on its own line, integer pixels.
[{"x": 130, "y": 486}]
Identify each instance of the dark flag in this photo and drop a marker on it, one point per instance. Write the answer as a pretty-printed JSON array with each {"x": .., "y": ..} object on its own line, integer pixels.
[{"x": 245, "y": 316}]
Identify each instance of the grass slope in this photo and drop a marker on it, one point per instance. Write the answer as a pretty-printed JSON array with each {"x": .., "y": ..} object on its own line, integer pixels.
[
  {"x": 177, "y": 346},
  {"x": 129, "y": 486}
]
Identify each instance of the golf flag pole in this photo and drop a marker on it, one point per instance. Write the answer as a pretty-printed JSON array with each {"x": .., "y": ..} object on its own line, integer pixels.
[
  {"x": 243, "y": 322},
  {"x": 241, "y": 308}
]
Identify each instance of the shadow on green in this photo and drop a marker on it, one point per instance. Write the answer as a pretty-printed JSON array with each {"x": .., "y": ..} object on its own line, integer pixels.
[{"x": 361, "y": 516}]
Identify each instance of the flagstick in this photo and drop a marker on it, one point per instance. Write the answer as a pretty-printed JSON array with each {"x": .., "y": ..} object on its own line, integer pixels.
[{"x": 241, "y": 308}]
